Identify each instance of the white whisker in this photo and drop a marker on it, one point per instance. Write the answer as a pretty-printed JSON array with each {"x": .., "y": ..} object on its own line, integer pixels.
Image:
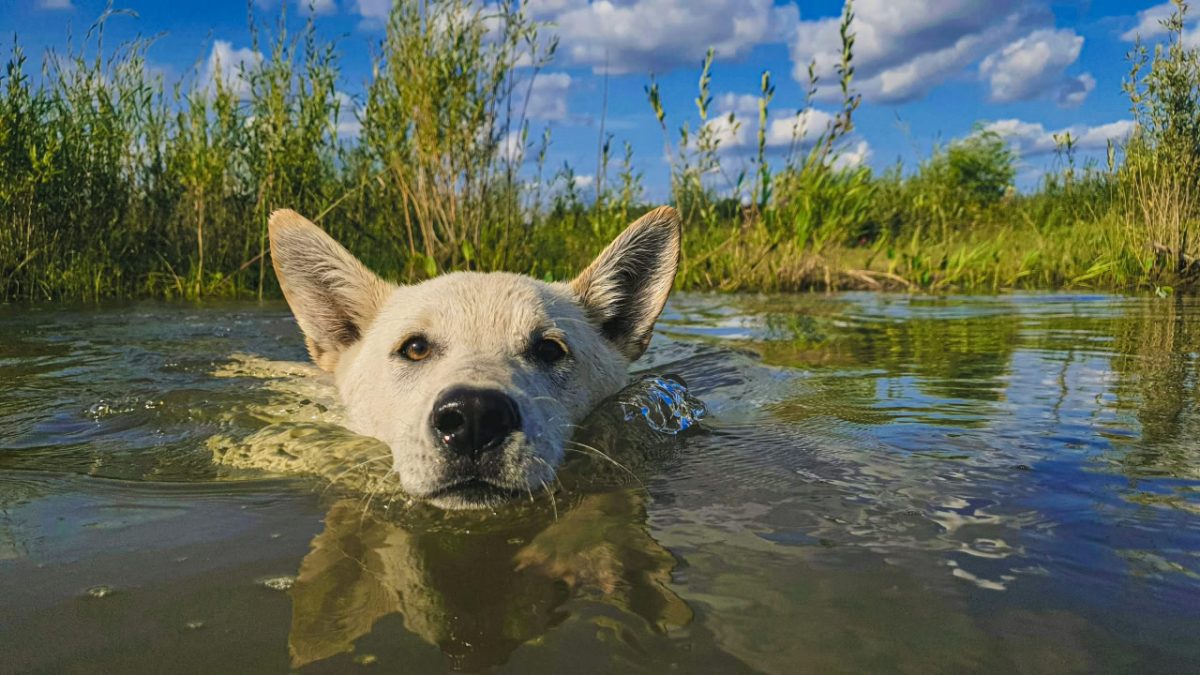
[
  {"x": 605, "y": 456},
  {"x": 335, "y": 479}
]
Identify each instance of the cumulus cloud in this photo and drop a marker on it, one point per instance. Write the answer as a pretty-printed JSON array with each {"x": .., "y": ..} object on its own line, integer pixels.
[
  {"x": 1075, "y": 89},
  {"x": 374, "y": 12},
  {"x": 741, "y": 133},
  {"x": 1149, "y": 22},
  {"x": 548, "y": 97},
  {"x": 854, "y": 157},
  {"x": 743, "y": 105},
  {"x": 1149, "y": 25},
  {"x": 905, "y": 48},
  {"x": 1035, "y": 66},
  {"x": 226, "y": 64},
  {"x": 1032, "y": 138},
  {"x": 738, "y": 137},
  {"x": 638, "y": 36}
]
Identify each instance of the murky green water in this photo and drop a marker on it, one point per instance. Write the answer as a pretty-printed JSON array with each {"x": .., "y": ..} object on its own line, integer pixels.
[{"x": 884, "y": 484}]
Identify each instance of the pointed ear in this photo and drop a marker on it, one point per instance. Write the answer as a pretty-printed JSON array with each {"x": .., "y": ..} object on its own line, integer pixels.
[
  {"x": 333, "y": 296},
  {"x": 625, "y": 288}
]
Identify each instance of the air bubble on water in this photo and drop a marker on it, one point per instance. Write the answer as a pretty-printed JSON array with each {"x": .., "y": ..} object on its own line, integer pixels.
[
  {"x": 100, "y": 591},
  {"x": 663, "y": 403},
  {"x": 280, "y": 583},
  {"x": 119, "y": 406},
  {"x": 96, "y": 410}
]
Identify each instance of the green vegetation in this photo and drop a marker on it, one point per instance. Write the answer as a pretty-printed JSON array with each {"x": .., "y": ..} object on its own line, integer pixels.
[{"x": 115, "y": 183}]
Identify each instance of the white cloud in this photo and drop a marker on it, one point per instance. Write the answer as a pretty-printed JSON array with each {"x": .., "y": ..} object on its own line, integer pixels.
[
  {"x": 374, "y": 12},
  {"x": 905, "y": 48},
  {"x": 738, "y": 138},
  {"x": 743, "y": 105},
  {"x": 1097, "y": 137},
  {"x": 1035, "y": 66},
  {"x": 226, "y": 63},
  {"x": 740, "y": 135},
  {"x": 548, "y": 97},
  {"x": 1149, "y": 25},
  {"x": 639, "y": 36},
  {"x": 317, "y": 6},
  {"x": 348, "y": 123},
  {"x": 54, "y": 4},
  {"x": 1075, "y": 90},
  {"x": 584, "y": 181},
  {"x": 1149, "y": 22},
  {"x": 550, "y": 8},
  {"x": 512, "y": 147},
  {"x": 853, "y": 158},
  {"x": 1032, "y": 138}
]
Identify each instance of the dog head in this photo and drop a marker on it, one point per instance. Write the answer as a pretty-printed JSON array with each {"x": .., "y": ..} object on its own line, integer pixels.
[{"x": 475, "y": 381}]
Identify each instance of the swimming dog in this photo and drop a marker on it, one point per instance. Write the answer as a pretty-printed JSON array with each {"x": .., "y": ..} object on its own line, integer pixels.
[{"x": 475, "y": 381}]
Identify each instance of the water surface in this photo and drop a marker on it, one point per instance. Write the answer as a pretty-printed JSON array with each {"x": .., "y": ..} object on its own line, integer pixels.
[{"x": 882, "y": 484}]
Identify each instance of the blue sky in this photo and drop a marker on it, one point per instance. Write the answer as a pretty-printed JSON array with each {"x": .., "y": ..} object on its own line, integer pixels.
[{"x": 929, "y": 70}]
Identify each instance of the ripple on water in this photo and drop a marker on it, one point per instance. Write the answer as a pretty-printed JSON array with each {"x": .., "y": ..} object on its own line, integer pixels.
[{"x": 986, "y": 465}]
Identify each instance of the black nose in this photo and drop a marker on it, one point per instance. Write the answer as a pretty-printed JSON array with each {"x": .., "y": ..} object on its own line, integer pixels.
[{"x": 472, "y": 421}]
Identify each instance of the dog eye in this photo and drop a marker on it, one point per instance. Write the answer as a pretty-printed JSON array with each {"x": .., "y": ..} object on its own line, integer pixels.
[
  {"x": 415, "y": 348},
  {"x": 549, "y": 350}
]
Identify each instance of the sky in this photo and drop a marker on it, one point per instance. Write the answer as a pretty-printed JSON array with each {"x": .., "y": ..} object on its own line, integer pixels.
[{"x": 929, "y": 71}]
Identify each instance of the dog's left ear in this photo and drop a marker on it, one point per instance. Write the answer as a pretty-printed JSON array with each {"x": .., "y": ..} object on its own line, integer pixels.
[{"x": 625, "y": 288}]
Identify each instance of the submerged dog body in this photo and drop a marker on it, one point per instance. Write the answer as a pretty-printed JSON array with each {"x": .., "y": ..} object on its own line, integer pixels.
[{"x": 475, "y": 380}]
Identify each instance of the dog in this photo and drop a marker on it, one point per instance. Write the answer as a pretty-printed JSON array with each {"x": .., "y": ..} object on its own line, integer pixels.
[{"x": 475, "y": 381}]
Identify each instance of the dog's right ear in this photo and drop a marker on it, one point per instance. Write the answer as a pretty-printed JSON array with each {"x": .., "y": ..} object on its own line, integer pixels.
[{"x": 333, "y": 296}]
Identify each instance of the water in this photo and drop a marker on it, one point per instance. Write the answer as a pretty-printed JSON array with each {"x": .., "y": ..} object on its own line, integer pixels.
[{"x": 880, "y": 484}]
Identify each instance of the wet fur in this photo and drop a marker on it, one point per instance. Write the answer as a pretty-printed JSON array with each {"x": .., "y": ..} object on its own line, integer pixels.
[{"x": 481, "y": 327}]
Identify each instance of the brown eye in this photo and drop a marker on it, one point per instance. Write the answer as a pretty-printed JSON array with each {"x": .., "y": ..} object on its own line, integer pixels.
[
  {"x": 549, "y": 350},
  {"x": 416, "y": 348}
]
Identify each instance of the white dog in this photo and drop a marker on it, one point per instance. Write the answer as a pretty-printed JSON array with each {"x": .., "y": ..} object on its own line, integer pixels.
[{"x": 475, "y": 381}]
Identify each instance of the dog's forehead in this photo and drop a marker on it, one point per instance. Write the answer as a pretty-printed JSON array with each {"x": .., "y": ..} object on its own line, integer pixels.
[{"x": 483, "y": 307}]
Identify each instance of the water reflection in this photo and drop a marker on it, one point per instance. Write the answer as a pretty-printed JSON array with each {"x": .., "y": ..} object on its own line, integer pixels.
[
  {"x": 477, "y": 586},
  {"x": 1158, "y": 378},
  {"x": 1055, "y": 413},
  {"x": 883, "y": 483}
]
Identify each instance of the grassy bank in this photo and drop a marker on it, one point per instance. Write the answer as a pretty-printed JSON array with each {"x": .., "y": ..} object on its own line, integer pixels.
[{"x": 116, "y": 183}]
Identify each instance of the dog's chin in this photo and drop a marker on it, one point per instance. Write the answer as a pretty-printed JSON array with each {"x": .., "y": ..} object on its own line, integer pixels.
[{"x": 471, "y": 493}]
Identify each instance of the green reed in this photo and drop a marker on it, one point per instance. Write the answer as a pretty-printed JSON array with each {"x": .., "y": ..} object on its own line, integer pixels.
[{"x": 116, "y": 183}]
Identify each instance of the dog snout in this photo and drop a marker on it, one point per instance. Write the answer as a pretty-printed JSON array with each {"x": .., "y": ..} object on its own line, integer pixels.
[{"x": 470, "y": 422}]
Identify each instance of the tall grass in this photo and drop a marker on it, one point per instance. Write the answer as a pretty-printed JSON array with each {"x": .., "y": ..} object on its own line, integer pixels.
[
  {"x": 1160, "y": 179},
  {"x": 116, "y": 183}
]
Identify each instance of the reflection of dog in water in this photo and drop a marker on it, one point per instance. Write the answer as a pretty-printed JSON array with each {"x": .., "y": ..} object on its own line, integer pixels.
[
  {"x": 477, "y": 595},
  {"x": 475, "y": 381}
]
